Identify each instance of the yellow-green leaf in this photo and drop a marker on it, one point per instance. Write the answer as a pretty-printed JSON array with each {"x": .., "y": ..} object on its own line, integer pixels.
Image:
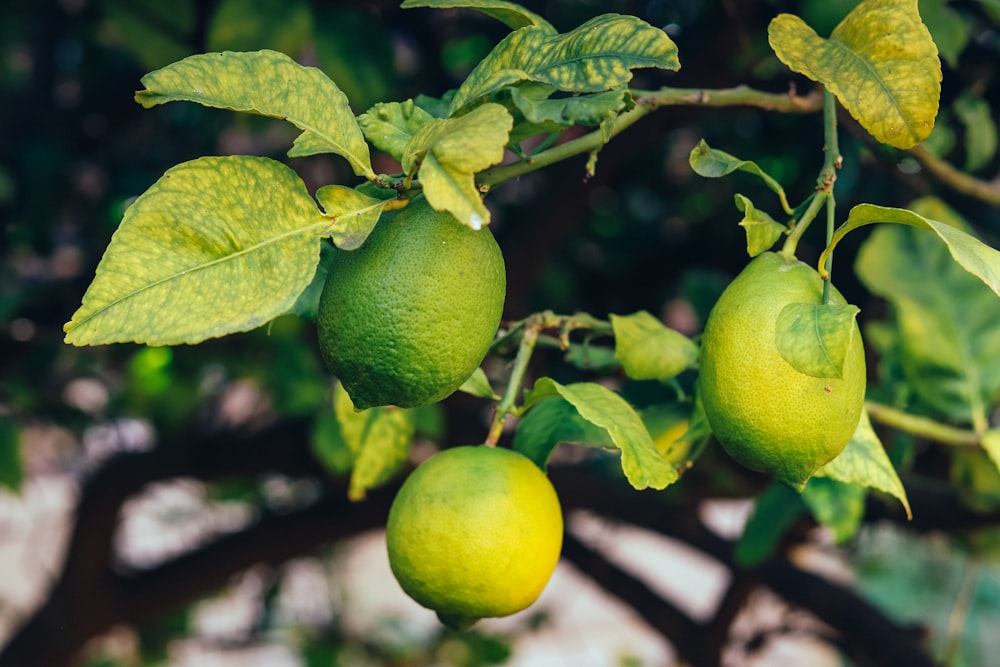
[
  {"x": 643, "y": 465},
  {"x": 390, "y": 125},
  {"x": 511, "y": 14},
  {"x": 648, "y": 350},
  {"x": 598, "y": 55},
  {"x": 713, "y": 163},
  {"x": 865, "y": 462},
  {"x": 880, "y": 62},
  {"x": 270, "y": 84},
  {"x": 814, "y": 338},
  {"x": 354, "y": 214},
  {"x": 447, "y": 152},
  {"x": 217, "y": 245},
  {"x": 761, "y": 229},
  {"x": 991, "y": 443}
]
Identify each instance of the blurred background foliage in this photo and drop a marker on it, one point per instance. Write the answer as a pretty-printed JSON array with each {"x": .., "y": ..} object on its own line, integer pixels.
[{"x": 644, "y": 233}]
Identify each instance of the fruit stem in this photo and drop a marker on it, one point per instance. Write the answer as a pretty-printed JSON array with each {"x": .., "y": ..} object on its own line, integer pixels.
[
  {"x": 922, "y": 426},
  {"x": 533, "y": 326}
]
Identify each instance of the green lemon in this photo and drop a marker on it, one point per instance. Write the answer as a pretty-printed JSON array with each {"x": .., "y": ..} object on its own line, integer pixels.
[
  {"x": 765, "y": 413},
  {"x": 406, "y": 318},
  {"x": 474, "y": 532}
]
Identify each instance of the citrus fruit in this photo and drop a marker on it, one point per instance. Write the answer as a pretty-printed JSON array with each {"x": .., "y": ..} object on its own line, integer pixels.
[
  {"x": 474, "y": 532},
  {"x": 766, "y": 414},
  {"x": 406, "y": 318}
]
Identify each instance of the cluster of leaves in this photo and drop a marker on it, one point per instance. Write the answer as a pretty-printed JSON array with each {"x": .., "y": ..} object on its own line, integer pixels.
[{"x": 218, "y": 226}]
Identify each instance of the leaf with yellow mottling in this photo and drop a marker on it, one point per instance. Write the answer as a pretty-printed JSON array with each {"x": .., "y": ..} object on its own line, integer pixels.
[
  {"x": 217, "y": 245},
  {"x": 880, "y": 62},
  {"x": 598, "y": 55},
  {"x": 390, "y": 125},
  {"x": 447, "y": 153},
  {"x": 270, "y": 84}
]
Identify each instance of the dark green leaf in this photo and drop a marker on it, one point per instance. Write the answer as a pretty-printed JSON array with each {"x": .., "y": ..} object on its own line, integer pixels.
[
  {"x": 836, "y": 505},
  {"x": 11, "y": 464},
  {"x": 774, "y": 512},
  {"x": 980, "y": 131},
  {"x": 217, "y": 245},
  {"x": 511, "y": 14}
]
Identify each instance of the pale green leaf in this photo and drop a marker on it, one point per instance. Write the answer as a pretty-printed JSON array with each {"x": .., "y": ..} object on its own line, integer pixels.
[
  {"x": 379, "y": 439},
  {"x": 972, "y": 254},
  {"x": 270, "y": 84},
  {"x": 598, "y": 55},
  {"x": 865, "y": 463},
  {"x": 880, "y": 62},
  {"x": 478, "y": 385},
  {"x": 246, "y": 25},
  {"x": 980, "y": 131},
  {"x": 217, "y": 245},
  {"x": 552, "y": 421},
  {"x": 535, "y": 102},
  {"x": 354, "y": 214},
  {"x": 949, "y": 343},
  {"x": 643, "y": 465},
  {"x": 388, "y": 126},
  {"x": 837, "y": 505},
  {"x": 448, "y": 152},
  {"x": 713, "y": 163},
  {"x": 648, "y": 350},
  {"x": 815, "y": 338},
  {"x": 11, "y": 462},
  {"x": 761, "y": 229},
  {"x": 511, "y": 14}
]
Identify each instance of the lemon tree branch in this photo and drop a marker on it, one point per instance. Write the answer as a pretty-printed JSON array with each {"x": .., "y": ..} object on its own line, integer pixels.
[
  {"x": 959, "y": 181},
  {"x": 922, "y": 426}
]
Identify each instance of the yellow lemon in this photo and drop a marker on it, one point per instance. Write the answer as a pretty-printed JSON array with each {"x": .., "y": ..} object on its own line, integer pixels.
[
  {"x": 474, "y": 532},
  {"x": 406, "y": 318},
  {"x": 765, "y": 413}
]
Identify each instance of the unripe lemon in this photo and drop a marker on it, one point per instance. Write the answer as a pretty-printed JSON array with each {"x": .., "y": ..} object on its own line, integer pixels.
[
  {"x": 766, "y": 414},
  {"x": 406, "y": 318},
  {"x": 474, "y": 532}
]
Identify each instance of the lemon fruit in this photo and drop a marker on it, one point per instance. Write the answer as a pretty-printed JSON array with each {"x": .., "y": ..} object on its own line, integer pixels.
[
  {"x": 474, "y": 532},
  {"x": 406, "y": 318},
  {"x": 766, "y": 414}
]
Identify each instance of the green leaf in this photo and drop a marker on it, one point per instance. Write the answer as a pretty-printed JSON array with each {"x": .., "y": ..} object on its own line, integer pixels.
[
  {"x": 991, "y": 443},
  {"x": 244, "y": 25},
  {"x": 880, "y": 62},
  {"x": 389, "y": 126},
  {"x": 762, "y": 230},
  {"x": 980, "y": 131},
  {"x": 552, "y": 421},
  {"x": 947, "y": 27},
  {"x": 354, "y": 214},
  {"x": 478, "y": 385},
  {"x": 642, "y": 464},
  {"x": 865, "y": 463},
  {"x": 972, "y": 254},
  {"x": 713, "y": 163},
  {"x": 448, "y": 153},
  {"x": 598, "y": 55},
  {"x": 511, "y": 14},
  {"x": 648, "y": 350},
  {"x": 378, "y": 438},
  {"x": 774, "y": 512},
  {"x": 534, "y": 102},
  {"x": 815, "y": 338},
  {"x": 946, "y": 318},
  {"x": 11, "y": 464},
  {"x": 836, "y": 505},
  {"x": 217, "y": 245},
  {"x": 590, "y": 357},
  {"x": 342, "y": 32},
  {"x": 270, "y": 84},
  {"x": 155, "y": 32}
]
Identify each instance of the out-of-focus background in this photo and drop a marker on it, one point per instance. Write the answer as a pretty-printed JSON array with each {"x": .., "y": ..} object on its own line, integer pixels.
[{"x": 160, "y": 506}]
